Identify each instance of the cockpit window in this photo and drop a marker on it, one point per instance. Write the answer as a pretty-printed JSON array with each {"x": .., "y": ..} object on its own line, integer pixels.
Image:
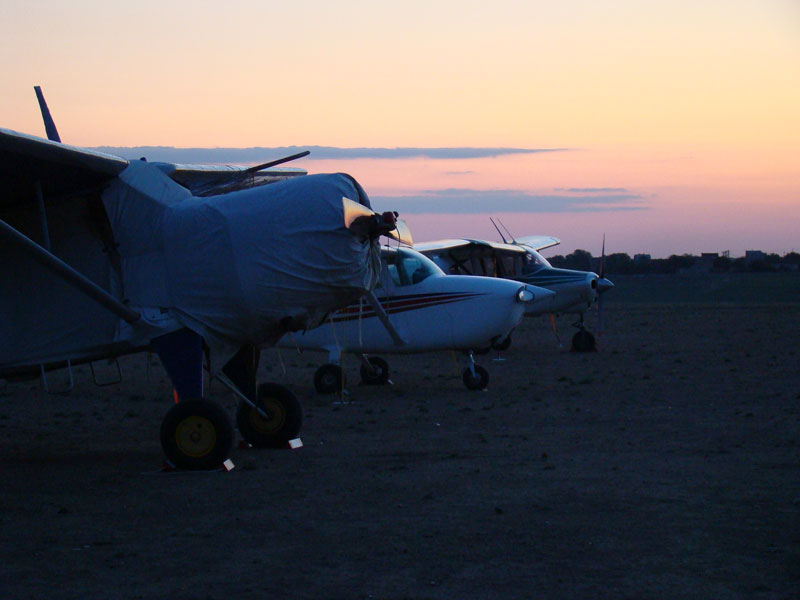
[
  {"x": 406, "y": 267},
  {"x": 533, "y": 262}
]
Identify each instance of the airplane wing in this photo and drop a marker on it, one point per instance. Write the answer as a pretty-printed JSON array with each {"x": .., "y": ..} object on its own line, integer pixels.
[
  {"x": 449, "y": 245},
  {"x": 538, "y": 242},
  {"x": 60, "y": 169},
  {"x": 441, "y": 245}
]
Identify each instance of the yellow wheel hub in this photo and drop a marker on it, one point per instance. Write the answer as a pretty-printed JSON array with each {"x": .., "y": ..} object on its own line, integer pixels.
[
  {"x": 195, "y": 436},
  {"x": 276, "y": 416}
]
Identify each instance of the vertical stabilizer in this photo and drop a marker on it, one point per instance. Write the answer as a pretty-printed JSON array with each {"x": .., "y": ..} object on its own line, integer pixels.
[{"x": 49, "y": 125}]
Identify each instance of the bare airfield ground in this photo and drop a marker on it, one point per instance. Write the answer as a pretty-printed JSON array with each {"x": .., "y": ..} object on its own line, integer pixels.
[{"x": 667, "y": 465}]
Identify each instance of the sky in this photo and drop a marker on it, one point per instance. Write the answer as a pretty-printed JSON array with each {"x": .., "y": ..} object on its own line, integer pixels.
[{"x": 668, "y": 126}]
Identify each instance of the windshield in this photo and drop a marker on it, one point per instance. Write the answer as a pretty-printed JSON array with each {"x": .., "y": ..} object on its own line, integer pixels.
[
  {"x": 533, "y": 262},
  {"x": 407, "y": 267}
]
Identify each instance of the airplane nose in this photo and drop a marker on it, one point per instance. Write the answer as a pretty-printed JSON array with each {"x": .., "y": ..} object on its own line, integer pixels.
[{"x": 603, "y": 285}]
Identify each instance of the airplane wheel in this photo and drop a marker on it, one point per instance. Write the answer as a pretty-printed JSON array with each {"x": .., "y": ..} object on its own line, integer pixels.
[
  {"x": 329, "y": 379},
  {"x": 196, "y": 435},
  {"x": 583, "y": 341},
  {"x": 479, "y": 381},
  {"x": 504, "y": 345},
  {"x": 282, "y": 423},
  {"x": 380, "y": 373}
]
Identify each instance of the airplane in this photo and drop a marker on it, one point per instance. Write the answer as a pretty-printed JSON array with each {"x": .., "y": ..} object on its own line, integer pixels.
[
  {"x": 520, "y": 260},
  {"x": 104, "y": 256},
  {"x": 429, "y": 310}
]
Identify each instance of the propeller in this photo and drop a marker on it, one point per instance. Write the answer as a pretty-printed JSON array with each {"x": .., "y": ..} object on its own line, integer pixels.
[
  {"x": 603, "y": 285},
  {"x": 364, "y": 221},
  {"x": 276, "y": 162}
]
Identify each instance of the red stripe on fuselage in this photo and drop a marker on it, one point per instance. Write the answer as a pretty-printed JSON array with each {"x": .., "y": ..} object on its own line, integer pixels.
[{"x": 400, "y": 304}]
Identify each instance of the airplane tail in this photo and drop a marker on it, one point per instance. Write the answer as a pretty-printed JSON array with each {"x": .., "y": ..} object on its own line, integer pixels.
[{"x": 49, "y": 124}]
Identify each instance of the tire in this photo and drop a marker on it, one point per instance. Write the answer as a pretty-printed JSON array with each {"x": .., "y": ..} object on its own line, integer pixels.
[
  {"x": 196, "y": 435},
  {"x": 583, "y": 341},
  {"x": 504, "y": 345},
  {"x": 285, "y": 417},
  {"x": 329, "y": 379},
  {"x": 380, "y": 373},
  {"x": 479, "y": 381}
]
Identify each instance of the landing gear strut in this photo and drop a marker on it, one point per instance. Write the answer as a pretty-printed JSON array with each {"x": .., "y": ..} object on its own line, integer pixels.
[{"x": 475, "y": 377}]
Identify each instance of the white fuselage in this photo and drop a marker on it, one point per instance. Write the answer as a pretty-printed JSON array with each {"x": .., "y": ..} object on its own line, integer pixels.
[{"x": 439, "y": 312}]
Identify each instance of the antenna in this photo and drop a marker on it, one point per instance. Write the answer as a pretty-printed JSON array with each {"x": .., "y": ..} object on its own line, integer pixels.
[
  {"x": 513, "y": 241},
  {"x": 498, "y": 231}
]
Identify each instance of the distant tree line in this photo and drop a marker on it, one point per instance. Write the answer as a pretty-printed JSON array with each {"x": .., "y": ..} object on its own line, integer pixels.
[{"x": 623, "y": 264}]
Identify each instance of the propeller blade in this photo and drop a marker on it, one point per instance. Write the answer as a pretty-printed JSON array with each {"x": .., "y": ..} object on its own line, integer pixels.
[
  {"x": 603, "y": 259},
  {"x": 402, "y": 233},
  {"x": 600, "y": 315},
  {"x": 279, "y": 161},
  {"x": 354, "y": 210},
  {"x": 362, "y": 220}
]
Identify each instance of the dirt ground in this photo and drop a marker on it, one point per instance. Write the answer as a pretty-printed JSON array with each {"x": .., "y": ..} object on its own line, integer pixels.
[{"x": 666, "y": 465}]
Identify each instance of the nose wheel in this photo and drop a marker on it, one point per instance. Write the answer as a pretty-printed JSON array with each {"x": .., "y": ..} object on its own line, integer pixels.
[
  {"x": 374, "y": 371},
  {"x": 475, "y": 377},
  {"x": 583, "y": 340}
]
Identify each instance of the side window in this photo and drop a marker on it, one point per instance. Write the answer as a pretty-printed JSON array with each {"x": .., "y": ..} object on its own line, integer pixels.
[{"x": 394, "y": 275}]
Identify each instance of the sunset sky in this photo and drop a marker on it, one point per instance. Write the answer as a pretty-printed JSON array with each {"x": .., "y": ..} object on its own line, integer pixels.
[{"x": 669, "y": 126}]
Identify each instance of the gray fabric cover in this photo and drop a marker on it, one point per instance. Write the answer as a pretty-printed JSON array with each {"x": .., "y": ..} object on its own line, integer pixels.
[{"x": 230, "y": 267}]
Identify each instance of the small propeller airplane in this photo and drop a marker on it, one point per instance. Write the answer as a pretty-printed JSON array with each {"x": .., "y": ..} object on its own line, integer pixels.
[
  {"x": 427, "y": 310},
  {"x": 520, "y": 260},
  {"x": 104, "y": 256}
]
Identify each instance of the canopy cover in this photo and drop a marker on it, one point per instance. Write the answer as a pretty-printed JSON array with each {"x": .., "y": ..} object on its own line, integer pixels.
[{"x": 244, "y": 266}]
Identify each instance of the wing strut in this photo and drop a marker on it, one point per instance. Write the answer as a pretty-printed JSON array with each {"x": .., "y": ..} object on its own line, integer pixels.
[
  {"x": 384, "y": 319},
  {"x": 67, "y": 273}
]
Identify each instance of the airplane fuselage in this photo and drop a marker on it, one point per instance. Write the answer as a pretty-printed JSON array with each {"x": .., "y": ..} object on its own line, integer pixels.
[{"x": 438, "y": 312}]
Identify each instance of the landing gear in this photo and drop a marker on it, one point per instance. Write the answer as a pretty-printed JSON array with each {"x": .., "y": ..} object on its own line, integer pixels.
[
  {"x": 475, "y": 377},
  {"x": 502, "y": 345},
  {"x": 275, "y": 419},
  {"x": 376, "y": 372},
  {"x": 329, "y": 379},
  {"x": 196, "y": 435},
  {"x": 583, "y": 340}
]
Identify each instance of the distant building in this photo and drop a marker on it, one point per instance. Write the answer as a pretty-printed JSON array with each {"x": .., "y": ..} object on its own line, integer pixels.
[
  {"x": 641, "y": 259},
  {"x": 751, "y": 256},
  {"x": 704, "y": 264}
]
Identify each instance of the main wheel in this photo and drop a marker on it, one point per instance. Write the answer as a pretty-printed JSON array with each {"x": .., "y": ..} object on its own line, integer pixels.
[
  {"x": 329, "y": 379},
  {"x": 284, "y": 417},
  {"x": 479, "y": 381},
  {"x": 583, "y": 341},
  {"x": 504, "y": 345},
  {"x": 196, "y": 435},
  {"x": 379, "y": 375}
]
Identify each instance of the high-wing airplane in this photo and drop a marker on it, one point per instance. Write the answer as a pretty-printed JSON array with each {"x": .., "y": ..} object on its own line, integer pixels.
[
  {"x": 102, "y": 256},
  {"x": 428, "y": 310},
  {"x": 575, "y": 291}
]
